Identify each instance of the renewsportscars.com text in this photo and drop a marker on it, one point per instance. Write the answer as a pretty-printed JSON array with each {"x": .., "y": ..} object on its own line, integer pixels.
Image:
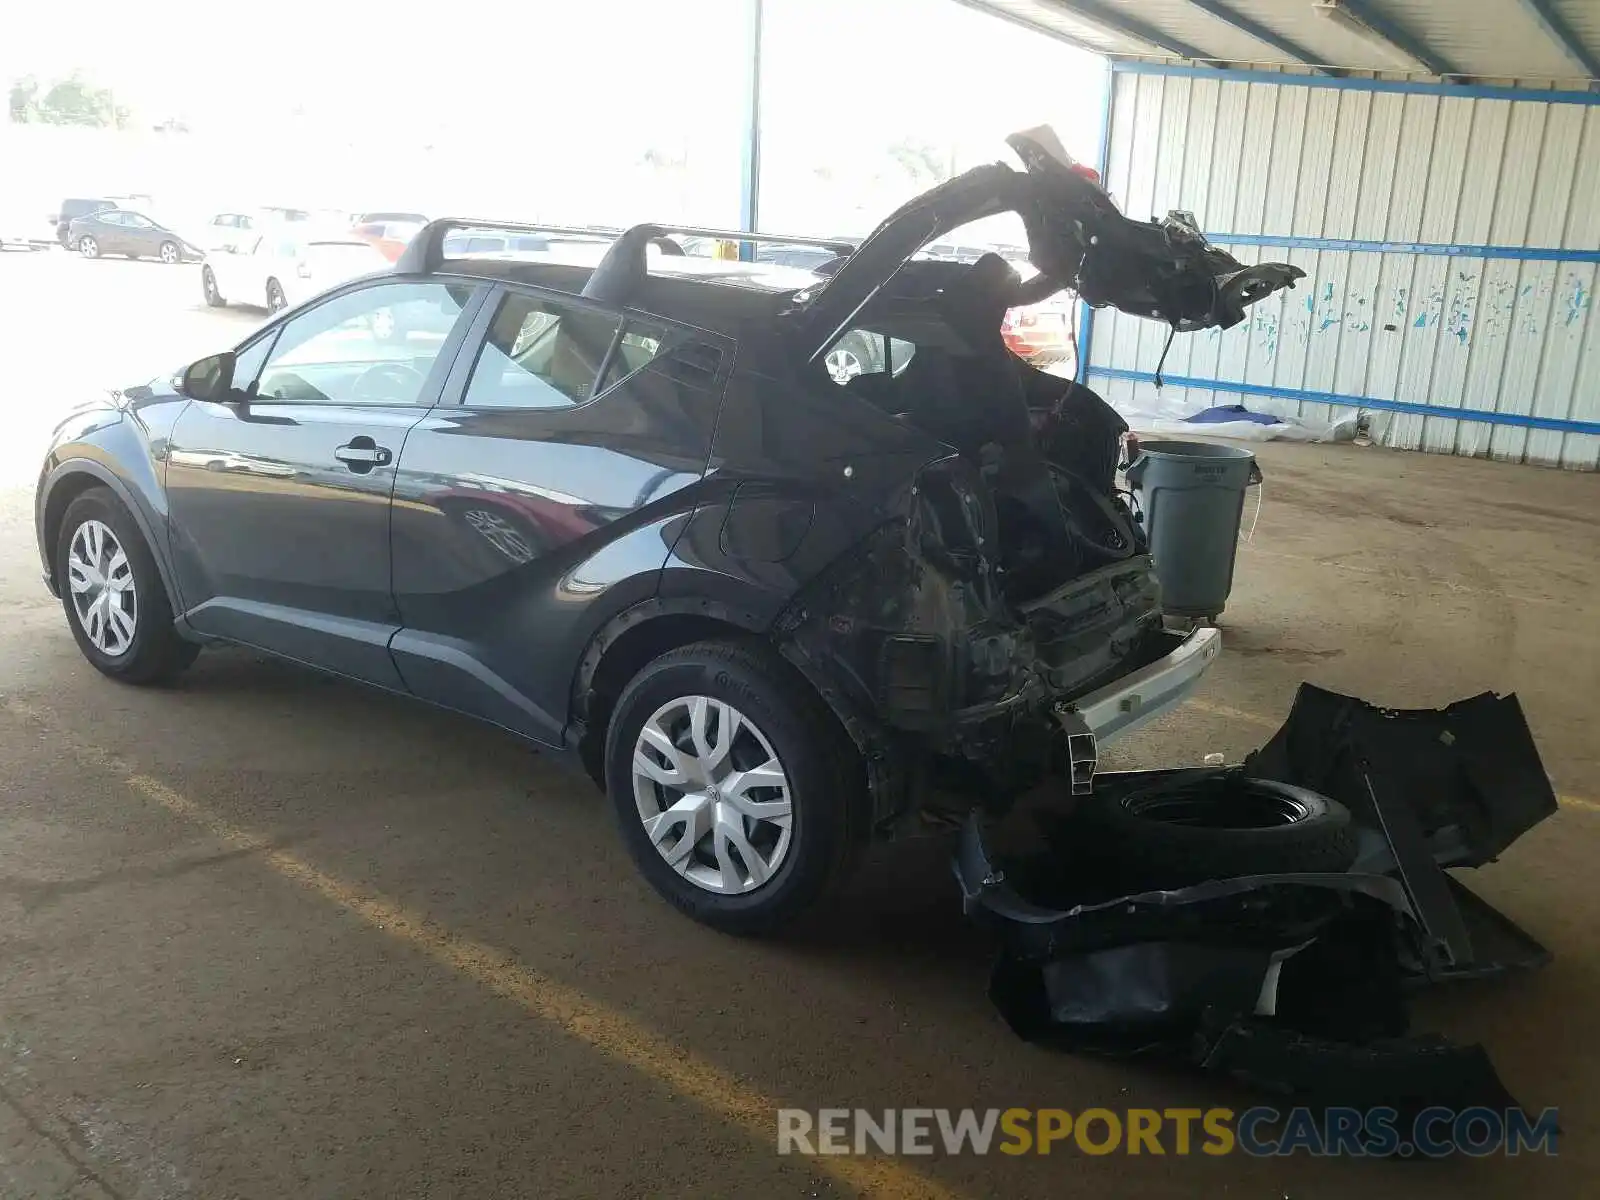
[{"x": 1259, "y": 1132}]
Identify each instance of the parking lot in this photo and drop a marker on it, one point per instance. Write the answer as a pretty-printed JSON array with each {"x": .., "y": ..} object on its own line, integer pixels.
[{"x": 265, "y": 933}]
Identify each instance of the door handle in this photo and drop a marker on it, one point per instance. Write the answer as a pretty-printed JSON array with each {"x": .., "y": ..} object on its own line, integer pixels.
[{"x": 361, "y": 454}]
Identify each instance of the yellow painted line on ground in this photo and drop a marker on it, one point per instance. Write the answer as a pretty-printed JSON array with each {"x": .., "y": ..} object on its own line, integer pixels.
[
  {"x": 1250, "y": 718},
  {"x": 605, "y": 1029}
]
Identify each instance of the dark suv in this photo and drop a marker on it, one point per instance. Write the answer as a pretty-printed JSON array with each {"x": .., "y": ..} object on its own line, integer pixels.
[
  {"x": 71, "y": 209},
  {"x": 626, "y": 513}
]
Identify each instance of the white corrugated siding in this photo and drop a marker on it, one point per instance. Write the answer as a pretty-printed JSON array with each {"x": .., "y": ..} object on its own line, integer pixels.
[{"x": 1495, "y": 334}]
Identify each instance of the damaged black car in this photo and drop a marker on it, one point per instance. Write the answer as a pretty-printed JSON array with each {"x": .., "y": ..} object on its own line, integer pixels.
[{"x": 619, "y": 505}]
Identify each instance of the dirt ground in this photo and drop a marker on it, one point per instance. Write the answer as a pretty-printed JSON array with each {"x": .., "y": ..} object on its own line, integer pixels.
[{"x": 264, "y": 934}]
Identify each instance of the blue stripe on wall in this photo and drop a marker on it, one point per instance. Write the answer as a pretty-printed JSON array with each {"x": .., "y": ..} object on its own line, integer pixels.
[
  {"x": 1521, "y": 420},
  {"x": 1464, "y": 91},
  {"x": 1447, "y": 249}
]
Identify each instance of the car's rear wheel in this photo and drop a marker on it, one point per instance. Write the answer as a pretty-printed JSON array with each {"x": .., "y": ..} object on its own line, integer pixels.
[
  {"x": 208, "y": 284},
  {"x": 114, "y": 598},
  {"x": 276, "y": 300},
  {"x": 169, "y": 252},
  {"x": 736, "y": 791},
  {"x": 88, "y": 247}
]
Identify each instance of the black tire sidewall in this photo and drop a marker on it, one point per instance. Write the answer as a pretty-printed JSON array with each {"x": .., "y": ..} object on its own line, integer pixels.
[
  {"x": 1165, "y": 854},
  {"x": 821, "y": 793},
  {"x": 156, "y": 650}
]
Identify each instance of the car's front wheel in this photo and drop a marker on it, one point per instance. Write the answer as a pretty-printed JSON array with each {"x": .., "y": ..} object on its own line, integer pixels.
[
  {"x": 88, "y": 247},
  {"x": 169, "y": 252},
  {"x": 115, "y": 602},
  {"x": 276, "y": 300},
  {"x": 208, "y": 283},
  {"x": 736, "y": 791}
]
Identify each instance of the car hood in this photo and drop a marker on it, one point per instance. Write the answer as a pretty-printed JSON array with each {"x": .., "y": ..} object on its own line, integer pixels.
[{"x": 1077, "y": 238}]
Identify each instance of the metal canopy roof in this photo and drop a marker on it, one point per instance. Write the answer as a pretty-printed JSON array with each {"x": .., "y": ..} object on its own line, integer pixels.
[{"x": 1478, "y": 39}]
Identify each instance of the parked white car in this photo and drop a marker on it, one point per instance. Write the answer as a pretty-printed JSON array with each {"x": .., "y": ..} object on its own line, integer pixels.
[{"x": 277, "y": 269}]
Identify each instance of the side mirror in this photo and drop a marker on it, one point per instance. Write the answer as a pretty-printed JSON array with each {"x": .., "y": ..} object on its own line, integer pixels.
[{"x": 209, "y": 379}]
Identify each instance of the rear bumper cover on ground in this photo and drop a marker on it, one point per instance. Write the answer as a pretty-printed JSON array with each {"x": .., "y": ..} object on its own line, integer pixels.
[{"x": 1292, "y": 982}]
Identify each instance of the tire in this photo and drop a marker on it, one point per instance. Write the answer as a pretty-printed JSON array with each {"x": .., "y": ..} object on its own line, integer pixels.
[
  {"x": 154, "y": 653},
  {"x": 781, "y": 714},
  {"x": 276, "y": 300},
  {"x": 168, "y": 253},
  {"x": 208, "y": 284},
  {"x": 1219, "y": 827},
  {"x": 88, "y": 247}
]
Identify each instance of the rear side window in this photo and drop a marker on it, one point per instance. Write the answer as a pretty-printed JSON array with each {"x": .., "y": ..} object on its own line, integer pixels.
[{"x": 541, "y": 353}]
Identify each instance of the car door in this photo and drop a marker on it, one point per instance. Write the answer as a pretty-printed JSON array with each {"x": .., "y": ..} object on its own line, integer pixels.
[
  {"x": 106, "y": 229},
  {"x": 279, "y": 501},
  {"x": 243, "y": 277},
  {"x": 140, "y": 235},
  {"x": 542, "y": 496}
]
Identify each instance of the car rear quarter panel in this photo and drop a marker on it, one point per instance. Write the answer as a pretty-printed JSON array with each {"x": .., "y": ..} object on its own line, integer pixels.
[{"x": 799, "y": 473}]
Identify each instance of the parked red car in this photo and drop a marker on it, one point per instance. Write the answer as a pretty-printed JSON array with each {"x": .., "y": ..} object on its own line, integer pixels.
[
  {"x": 1041, "y": 333},
  {"x": 390, "y": 232}
]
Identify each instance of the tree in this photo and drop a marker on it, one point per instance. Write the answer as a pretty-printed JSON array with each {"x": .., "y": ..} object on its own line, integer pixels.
[
  {"x": 24, "y": 100},
  {"x": 920, "y": 160},
  {"x": 70, "y": 101}
]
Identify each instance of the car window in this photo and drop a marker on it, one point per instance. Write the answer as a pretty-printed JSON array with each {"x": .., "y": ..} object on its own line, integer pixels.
[
  {"x": 376, "y": 345},
  {"x": 540, "y": 353},
  {"x": 135, "y": 221},
  {"x": 863, "y": 352},
  {"x": 109, "y": 218}
]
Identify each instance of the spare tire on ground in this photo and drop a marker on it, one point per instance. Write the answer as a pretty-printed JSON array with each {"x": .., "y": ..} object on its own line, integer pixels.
[{"x": 1220, "y": 826}]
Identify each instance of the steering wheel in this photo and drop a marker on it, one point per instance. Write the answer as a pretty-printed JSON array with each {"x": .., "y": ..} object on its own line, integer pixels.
[{"x": 396, "y": 382}]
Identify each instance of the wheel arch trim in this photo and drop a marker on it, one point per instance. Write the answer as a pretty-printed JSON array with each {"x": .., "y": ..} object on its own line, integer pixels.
[{"x": 69, "y": 472}]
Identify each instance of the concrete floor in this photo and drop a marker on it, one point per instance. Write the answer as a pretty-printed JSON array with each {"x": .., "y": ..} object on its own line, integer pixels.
[{"x": 264, "y": 934}]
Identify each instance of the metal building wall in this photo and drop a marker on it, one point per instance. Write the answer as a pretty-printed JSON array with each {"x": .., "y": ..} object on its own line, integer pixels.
[{"x": 1450, "y": 237}]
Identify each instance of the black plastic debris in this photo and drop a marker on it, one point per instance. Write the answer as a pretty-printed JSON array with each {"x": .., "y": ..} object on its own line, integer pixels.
[{"x": 1294, "y": 982}]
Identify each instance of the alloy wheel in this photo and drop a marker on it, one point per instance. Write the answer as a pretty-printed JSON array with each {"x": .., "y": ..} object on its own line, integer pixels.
[
  {"x": 843, "y": 365},
  {"x": 103, "y": 593},
  {"x": 169, "y": 253},
  {"x": 712, "y": 795},
  {"x": 276, "y": 301},
  {"x": 208, "y": 281},
  {"x": 88, "y": 247}
]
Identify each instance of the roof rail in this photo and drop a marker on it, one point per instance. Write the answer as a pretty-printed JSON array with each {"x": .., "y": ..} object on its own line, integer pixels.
[
  {"x": 837, "y": 245},
  {"x": 424, "y": 254},
  {"x": 624, "y": 267}
]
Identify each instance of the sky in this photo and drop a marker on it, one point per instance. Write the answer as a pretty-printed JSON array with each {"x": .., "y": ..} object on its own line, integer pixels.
[{"x": 551, "y": 105}]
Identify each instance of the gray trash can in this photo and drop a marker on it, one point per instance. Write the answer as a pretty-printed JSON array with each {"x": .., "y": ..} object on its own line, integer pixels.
[{"x": 1190, "y": 497}]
